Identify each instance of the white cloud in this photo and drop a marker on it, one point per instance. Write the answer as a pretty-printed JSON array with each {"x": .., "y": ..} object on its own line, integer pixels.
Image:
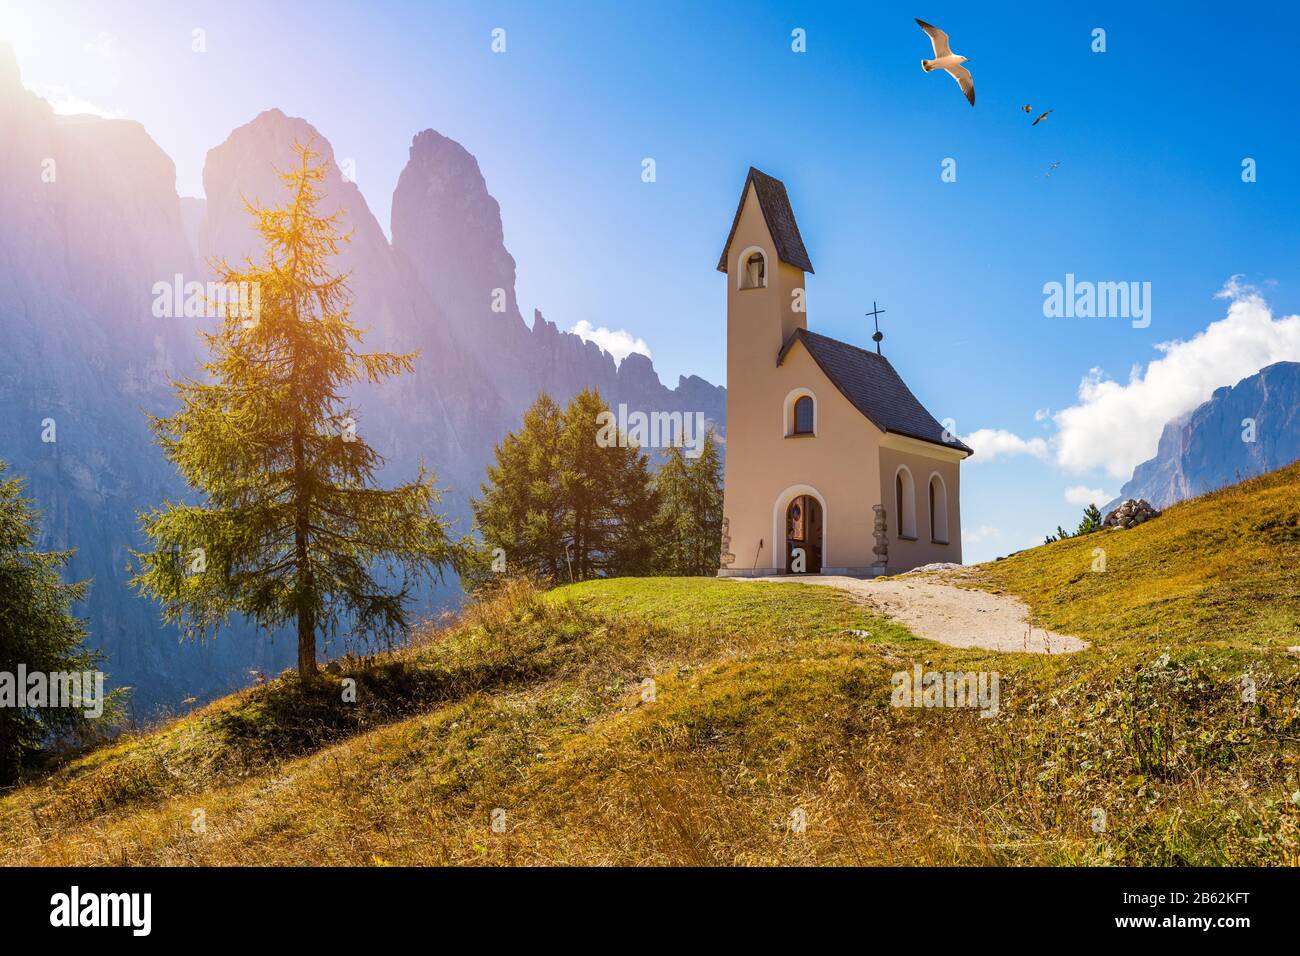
[
  {"x": 617, "y": 342},
  {"x": 1115, "y": 427},
  {"x": 993, "y": 443},
  {"x": 983, "y": 533},
  {"x": 1083, "y": 496},
  {"x": 103, "y": 46},
  {"x": 67, "y": 103},
  {"x": 1234, "y": 288}
]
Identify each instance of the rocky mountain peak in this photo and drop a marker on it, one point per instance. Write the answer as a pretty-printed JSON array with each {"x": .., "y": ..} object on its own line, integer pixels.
[
  {"x": 80, "y": 255},
  {"x": 638, "y": 372},
  {"x": 447, "y": 224},
  {"x": 1243, "y": 430},
  {"x": 244, "y": 166}
]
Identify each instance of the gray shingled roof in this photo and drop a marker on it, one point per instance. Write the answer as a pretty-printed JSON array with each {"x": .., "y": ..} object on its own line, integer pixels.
[
  {"x": 875, "y": 389},
  {"x": 774, "y": 202}
]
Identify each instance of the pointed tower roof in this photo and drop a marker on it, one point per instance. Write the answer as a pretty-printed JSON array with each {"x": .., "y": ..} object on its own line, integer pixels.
[{"x": 778, "y": 215}]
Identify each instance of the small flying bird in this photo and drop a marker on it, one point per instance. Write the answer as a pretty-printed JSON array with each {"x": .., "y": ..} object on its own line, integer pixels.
[
  {"x": 1040, "y": 119},
  {"x": 1052, "y": 169},
  {"x": 946, "y": 60},
  {"x": 1027, "y": 108}
]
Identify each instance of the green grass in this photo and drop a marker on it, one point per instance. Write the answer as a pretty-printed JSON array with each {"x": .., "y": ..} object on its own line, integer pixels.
[
  {"x": 732, "y": 608},
  {"x": 1220, "y": 569},
  {"x": 765, "y": 699}
]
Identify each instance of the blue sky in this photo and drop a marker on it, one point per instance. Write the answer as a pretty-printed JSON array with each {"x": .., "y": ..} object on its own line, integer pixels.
[{"x": 1150, "y": 136}]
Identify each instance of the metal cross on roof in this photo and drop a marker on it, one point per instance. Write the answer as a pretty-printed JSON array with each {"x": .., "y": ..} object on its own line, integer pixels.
[{"x": 875, "y": 314}]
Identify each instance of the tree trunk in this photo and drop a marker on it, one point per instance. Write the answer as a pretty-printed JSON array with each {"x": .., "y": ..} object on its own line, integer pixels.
[
  {"x": 306, "y": 645},
  {"x": 306, "y": 613},
  {"x": 580, "y": 542}
]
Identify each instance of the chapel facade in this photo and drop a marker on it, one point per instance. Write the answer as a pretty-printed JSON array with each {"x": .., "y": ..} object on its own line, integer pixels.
[{"x": 832, "y": 464}]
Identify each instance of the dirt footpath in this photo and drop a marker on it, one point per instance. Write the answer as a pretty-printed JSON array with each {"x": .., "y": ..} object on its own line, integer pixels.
[{"x": 958, "y": 617}]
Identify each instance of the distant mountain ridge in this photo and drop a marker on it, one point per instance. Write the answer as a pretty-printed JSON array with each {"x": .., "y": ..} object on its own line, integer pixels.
[
  {"x": 91, "y": 220},
  {"x": 434, "y": 289},
  {"x": 1208, "y": 447}
]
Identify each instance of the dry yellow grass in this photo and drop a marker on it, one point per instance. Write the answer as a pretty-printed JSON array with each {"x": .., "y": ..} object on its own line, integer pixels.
[{"x": 766, "y": 710}]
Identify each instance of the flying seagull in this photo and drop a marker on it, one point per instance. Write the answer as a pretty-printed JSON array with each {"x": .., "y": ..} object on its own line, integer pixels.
[
  {"x": 1040, "y": 119},
  {"x": 946, "y": 60}
]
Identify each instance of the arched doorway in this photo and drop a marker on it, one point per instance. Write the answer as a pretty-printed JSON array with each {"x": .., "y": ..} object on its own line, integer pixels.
[{"x": 803, "y": 535}]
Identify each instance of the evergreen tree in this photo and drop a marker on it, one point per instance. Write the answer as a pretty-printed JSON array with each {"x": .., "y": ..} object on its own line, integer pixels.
[
  {"x": 706, "y": 481},
  {"x": 688, "y": 526},
  {"x": 521, "y": 514},
  {"x": 1091, "y": 521},
  {"x": 293, "y": 526},
  {"x": 37, "y": 630},
  {"x": 559, "y": 502},
  {"x": 608, "y": 495},
  {"x": 675, "y": 521}
]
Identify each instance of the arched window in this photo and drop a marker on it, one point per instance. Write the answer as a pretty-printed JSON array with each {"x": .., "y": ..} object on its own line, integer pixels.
[
  {"x": 905, "y": 503},
  {"x": 753, "y": 269},
  {"x": 938, "y": 510},
  {"x": 803, "y": 415},
  {"x": 799, "y": 413}
]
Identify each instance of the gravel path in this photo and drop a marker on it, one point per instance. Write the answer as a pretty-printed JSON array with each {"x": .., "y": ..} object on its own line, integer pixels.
[{"x": 958, "y": 617}]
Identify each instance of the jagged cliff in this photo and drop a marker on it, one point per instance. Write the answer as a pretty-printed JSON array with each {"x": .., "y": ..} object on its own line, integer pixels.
[
  {"x": 92, "y": 221},
  {"x": 1243, "y": 430}
]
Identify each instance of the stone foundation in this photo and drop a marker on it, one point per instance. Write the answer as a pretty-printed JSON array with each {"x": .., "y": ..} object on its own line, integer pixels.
[{"x": 868, "y": 572}]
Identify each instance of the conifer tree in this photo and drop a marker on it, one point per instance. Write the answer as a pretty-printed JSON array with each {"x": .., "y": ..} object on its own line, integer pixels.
[
  {"x": 559, "y": 502},
  {"x": 674, "y": 528},
  {"x": 521, "y": 514},
  {"x": 293, "y": 527},
  {"x": 37, "y": 631},
  {"x": 607, "y": 490},
  {"x": 1091, "y": 521},
  {"x": 688, "y": 526},
  {"x": 706, "y": 484}
]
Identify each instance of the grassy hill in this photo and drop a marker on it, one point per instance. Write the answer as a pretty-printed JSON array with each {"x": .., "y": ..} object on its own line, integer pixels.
[{"x": 767, "y": 699}]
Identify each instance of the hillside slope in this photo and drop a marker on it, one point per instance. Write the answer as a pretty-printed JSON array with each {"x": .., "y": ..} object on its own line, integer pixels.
[
  {"x": 770, "y": 705},
  {"x": 1223, "y": 568}
]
